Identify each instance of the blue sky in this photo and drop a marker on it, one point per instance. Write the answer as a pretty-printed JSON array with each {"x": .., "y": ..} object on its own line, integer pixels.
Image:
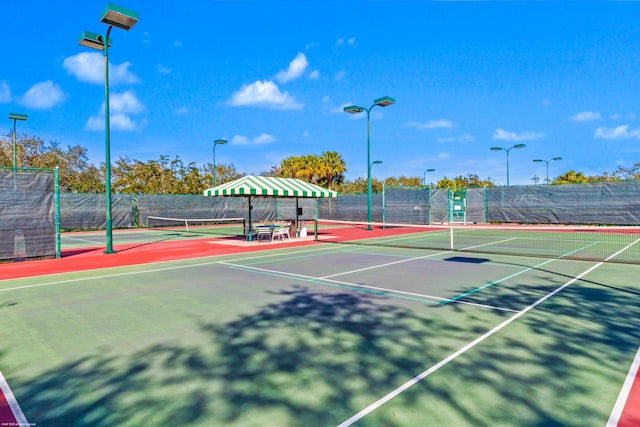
[{"x": 272, "y": 77}]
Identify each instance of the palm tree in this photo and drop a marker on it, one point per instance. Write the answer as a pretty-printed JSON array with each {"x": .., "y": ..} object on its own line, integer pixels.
[
  {"x": 309, "y": 167},
  {"x": 332, "y": 166}
]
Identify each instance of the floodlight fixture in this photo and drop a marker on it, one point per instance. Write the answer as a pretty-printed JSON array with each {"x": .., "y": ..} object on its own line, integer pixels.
[
  {"x": 118, "y": 16},
  {"x": 18, "y": 116},
  {"x": 353, "y": 109},
  {"x": 384, "y": 101},
  {"x": 92, "y": 40}
]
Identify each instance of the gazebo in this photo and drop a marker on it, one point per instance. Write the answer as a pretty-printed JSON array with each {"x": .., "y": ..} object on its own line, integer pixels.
[{"x": 264, "y": 186}]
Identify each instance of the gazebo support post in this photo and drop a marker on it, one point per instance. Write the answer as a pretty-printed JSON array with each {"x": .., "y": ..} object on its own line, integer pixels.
[{"x": 250, "y": 225}]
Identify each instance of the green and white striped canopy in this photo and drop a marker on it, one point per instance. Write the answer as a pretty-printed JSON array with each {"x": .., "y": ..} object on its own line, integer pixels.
[{"x": 264, "y": 186}]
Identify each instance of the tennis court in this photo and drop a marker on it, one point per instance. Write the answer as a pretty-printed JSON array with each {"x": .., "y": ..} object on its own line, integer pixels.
[{"x": 344, "y": 331}]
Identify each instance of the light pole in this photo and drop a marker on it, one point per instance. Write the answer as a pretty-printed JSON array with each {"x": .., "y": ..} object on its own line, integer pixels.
[
  {"x": 547, "y": 162},
  {"x": 424, "y": 178},
  {"x": 379, "y": 162},
  {"x": 354, "y": 109},
  {"x": 113, "y": 16},
  {"x": 216, "y": 142},
  {"x": 507, "y": 150},
  {"x": 15, "y": 117}
]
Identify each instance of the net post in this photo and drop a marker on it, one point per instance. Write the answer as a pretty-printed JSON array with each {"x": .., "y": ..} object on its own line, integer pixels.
[{"x": 315, "y": 229}]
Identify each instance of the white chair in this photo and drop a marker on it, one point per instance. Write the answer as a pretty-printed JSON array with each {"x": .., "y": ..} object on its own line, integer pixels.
[
  {"x": 282, "y": 233},
  {"x": 264, "y": 232}
]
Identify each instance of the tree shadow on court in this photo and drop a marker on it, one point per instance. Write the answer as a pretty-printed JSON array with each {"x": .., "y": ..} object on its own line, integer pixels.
[
  {"x": 562, "y": 362},
  {"x": 307, "y": 359},
  {"x": 316, "y": 358}
]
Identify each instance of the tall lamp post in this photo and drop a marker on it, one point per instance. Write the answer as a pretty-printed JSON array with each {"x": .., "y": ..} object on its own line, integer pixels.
[
  {"x": 15, "y": 117},
  {"x": 379, "y": 162},
  {"x": 216, "y": 142},
  {"x": 354, "y": 109},
  {"x": 424, "y": 177},
  {"x": 507, "y": 150},
  {"x": 113, "y": 16},
  {"x": 547, "y": 162}
]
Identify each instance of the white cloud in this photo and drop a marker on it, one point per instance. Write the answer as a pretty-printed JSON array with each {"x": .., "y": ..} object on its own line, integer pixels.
[
  {"x": 181, "y": 111},
  {"x": 623, "y": 116},
  {"x": 177, "y": 43},
  {"x": 121, "y": 107},
  {"x": 264, "y": 94},
  {"x": 126, "y": 103},
  {"x": 460, "y": 138},
  {"x": 314, "y": 75},
  {"x": 585, "y": 116},
  {"x": 351, "y": 41},
  {"x": 42, "y": 96},
  {"x": 162, "y": 69},
  {"x": 432, "y": 124},
  {"x": 89, "y": 67},
  {"x": 512, "y": 136},
  {"x": 264, "y": 138},
  {"x": 339, "y": 76},
  {"x": 620, "y": 132},
  {"x": 295, "y": 70},
  {"x": 5, "y": 92}
]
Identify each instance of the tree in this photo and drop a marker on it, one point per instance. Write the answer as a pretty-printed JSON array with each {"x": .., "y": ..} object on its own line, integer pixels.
[
  {"x": 331, "y": 168},
  {"x": 309, "y": 168},
  {"x": 571, "y": 177},
  {"x": 403, "y": 181},
  {"x": 471, "y": 180},
  {"x": 628, "y": 174}
]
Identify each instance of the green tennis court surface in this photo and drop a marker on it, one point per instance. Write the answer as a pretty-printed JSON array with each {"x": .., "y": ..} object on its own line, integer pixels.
[{"x": 324, "y": 335}]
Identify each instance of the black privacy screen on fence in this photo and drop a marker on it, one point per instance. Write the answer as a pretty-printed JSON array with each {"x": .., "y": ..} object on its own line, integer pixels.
[
  {"x": 611, "y": 203},
  {"x": 615, "y": 203},
  {"x": 27, "y": 214}
]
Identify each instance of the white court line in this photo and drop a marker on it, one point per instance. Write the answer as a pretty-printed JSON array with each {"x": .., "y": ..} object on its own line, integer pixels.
[
  {"x": 97, "y": 243},
  {"x": 624, "y": 392},
  {"x": 21, "y": 420},
  {"x": 375, "y": 405},
  {"x": 318, "y": 280},
  {"x": 384, "y": 265},
  {"x": 154, "y": 270}
]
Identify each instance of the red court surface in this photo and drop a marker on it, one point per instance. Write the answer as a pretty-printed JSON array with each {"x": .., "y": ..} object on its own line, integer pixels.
[
  {"x": 92, "y": 258},
  {"x": 630, "y": 416},
  {"x": 131, "y": 254}
]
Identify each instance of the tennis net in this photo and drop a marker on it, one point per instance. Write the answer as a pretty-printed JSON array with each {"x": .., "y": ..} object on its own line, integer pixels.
[
  {"x": 224, "y": 226},
  {"x": 594, "y": 243}
]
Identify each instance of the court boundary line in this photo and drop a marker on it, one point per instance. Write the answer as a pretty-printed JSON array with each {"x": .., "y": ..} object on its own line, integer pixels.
[
  {"x": 357, "y": 286},
  {"x": 625, "y": 392},
  {"x": 495, "y": 282},
  {"x": 21, "y": 420},
  {"x": 185, "y": 263},
  {"x": 375, "y": 405}
]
